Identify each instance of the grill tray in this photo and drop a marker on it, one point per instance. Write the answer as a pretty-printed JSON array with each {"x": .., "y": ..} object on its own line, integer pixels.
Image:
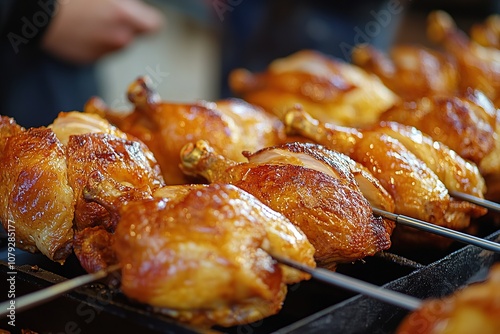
[{"x": 310, "y": 307}]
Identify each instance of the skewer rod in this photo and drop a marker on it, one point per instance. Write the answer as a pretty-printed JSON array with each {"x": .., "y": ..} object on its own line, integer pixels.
[
  {"x": 439, "y": 230},
  {"x": 476, "y": 200},
  {"x": 353, "y": 284},
  {"x": 42, "y": 296}
]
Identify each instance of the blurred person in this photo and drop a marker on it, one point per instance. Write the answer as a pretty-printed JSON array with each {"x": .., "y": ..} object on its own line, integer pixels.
[
  {"x": 48, "y": 50},
  {"x": 256, "y": 32}
]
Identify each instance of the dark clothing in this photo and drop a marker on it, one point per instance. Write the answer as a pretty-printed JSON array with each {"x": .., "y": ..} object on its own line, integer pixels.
[
  {"x": 34, "y": 86},
  {"x": 256, "y": 32}
]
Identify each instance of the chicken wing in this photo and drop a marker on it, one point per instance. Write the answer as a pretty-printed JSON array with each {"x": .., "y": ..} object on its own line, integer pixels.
[
  {"x": 410, "y": 71},
  {"x": 328, "y": 208},
  {"x": 417, "y": 191},
  {"x": 36, "y": 199},
  {"x": 473, "y": 309},
  {"x": 330, "y": 89},
  {"x": 231, "y": 126}
]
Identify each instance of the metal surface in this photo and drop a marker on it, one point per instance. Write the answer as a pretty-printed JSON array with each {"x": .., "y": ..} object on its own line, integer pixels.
[
  {"x": 439, "y": 230},
  {"x": 310, "y": 307},
  {"x": 45, "y": 295},
  {"x": 476, "y": 200},
  {"x": 356, "y": 285}
]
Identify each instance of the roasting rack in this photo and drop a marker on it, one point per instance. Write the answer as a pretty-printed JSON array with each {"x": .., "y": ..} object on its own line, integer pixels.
[{"x": 310, "y": 307}]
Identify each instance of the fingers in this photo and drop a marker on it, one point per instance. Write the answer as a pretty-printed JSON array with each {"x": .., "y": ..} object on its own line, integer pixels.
[{"x": 141, "y": 17}]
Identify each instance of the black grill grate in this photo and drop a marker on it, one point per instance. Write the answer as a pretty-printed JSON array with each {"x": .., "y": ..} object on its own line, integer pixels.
[{"x": 310, "y": 307}]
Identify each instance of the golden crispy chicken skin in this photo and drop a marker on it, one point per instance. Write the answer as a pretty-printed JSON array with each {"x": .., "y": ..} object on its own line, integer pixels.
[
  {"x": 329, "y": 209},
  {"x": 466, "y": 123},
  {"x": 201, "y": 254},
  {"x": 329, "y": 162},
  {"x": 410, "y": 71},
  {"x": 8, "y": 127},
  {"x": 119, "y": 159},
  {"x": 416, "y": 189},
  {"x": 35, "y": 197},
  {"x": 474, "y": 309},
  {"x": 231, "y": 126},
  {"x": 330, "y": 89}
]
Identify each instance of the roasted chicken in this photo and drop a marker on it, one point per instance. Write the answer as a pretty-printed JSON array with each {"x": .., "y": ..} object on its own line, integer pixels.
[
  {"x": 416, "y": 189},
  {"x": 318, "y": 195},
  {"x": 201, "y": 253},
  {"x": 36, "y": 198},
  {"x": 231, "y": 126},
  {"x": 43, "y": 173},
  {"x": 479, "y": 66},
  {"x": 465, "y": 123},
  {"x": 331, "y": 90},
  {"x": 410, "y": 71},
  {"x": 469, "y": 124},
  {"x": 473, "y": 309}
]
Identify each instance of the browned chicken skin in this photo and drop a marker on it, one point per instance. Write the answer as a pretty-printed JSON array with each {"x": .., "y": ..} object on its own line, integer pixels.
[
  {"x": 200, "y": 253},
  {"x": 35, "y": 196},
  {"x": 474, "y": 309},
  {"x": 417, "y": 191},
  {"x": 329, "y": 89},
  {"x": 410, "y": 71},
  {"x": 43, "y": 173},
  {"x": 328, "y": 208},
  {"x": 231, "y": 126},
  {"x": 466, "y": 123},
  {"x": 478, "y": 65}
]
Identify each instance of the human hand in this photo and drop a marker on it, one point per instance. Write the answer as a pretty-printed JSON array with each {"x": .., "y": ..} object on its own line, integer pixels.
[{"x": 82, "y": 31}]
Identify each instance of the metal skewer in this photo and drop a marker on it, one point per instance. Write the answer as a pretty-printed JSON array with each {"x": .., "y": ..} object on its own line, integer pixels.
[
  {"x": 439, "y": 230},
  {"x": 476, "y": 200},
  {"x": 353, "y": 284},
  {"x": 47, "y": 294}
]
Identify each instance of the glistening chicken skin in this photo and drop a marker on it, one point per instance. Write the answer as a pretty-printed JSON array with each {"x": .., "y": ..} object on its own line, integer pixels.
[
  {"x": 328, "y": 208},
  {"x": 43, "y": 172},
  {"x": 231, "y": 126},
  {"x": 417, "y": 191},
  {"x": 35, "y": 196},
  {"x": 330, "y": 89},
  {"x": 201, "y": 253}
]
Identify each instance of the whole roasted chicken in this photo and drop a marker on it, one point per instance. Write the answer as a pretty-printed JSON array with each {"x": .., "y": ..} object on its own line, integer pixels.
[
  {"x": 313, "y": 188},
  {"x": 231, "y": 126},
  {"x": 395, "y": 155},
  {"x": 36, "y": 199},
  {"x": 331, "y": 90},
  {"x": 202, "y": 253},
  {"x": 44, "y": 171}
]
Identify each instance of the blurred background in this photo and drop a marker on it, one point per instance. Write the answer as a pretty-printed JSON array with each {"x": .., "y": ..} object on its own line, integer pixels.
[
  {"x": 202, "y": 41},
  {"x": 191, "y": 55}
]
